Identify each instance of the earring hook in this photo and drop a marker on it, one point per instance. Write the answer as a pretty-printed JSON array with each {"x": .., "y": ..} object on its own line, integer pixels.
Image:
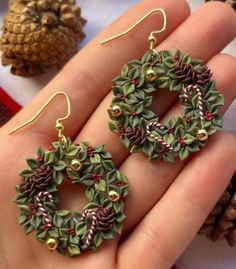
[
  {"x": 59, "y": 126},
  {"x": 152, "y": 38}
]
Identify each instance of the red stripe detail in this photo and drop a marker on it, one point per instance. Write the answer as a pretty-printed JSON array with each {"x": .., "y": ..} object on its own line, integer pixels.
[{"x": 9, "y": 102}]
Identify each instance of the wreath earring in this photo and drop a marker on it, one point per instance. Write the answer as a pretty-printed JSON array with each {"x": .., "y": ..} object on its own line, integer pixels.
[
  {"x": 139, "y": 128},
  {"x": 71, "y": 233}
]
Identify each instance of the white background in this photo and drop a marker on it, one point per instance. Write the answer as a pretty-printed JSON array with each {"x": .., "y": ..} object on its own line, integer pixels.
[{"x": 201, "y": 254}]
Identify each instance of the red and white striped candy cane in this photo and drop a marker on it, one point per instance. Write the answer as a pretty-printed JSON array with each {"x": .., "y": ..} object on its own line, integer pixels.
[
  {"x": 41, "y": 206},
  {"x": 199, "y": 95},
  {"x": 87, "y": 213},
  {"x": 157, "y": 138}
]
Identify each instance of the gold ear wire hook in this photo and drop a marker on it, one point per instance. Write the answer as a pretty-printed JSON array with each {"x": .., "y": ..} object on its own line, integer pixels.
[
  {"x": 152, "y": 39},
  {"x": 59, "y": 126}
]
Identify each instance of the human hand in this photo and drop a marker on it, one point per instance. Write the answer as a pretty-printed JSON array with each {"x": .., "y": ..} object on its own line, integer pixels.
[{"x": 168, "y": 202}]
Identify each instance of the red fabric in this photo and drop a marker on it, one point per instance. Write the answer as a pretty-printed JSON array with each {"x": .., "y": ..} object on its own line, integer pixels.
[{"x": 8, "y": 107}]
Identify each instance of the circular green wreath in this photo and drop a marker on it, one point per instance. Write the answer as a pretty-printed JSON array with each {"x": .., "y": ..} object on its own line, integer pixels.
[
  {"x": 106, "y": 188},
  {"x": 139, "y": 128}
]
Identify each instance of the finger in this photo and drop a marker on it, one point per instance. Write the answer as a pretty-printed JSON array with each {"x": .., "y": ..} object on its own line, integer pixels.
[
  {"x": 86, "y": 78},
  {"x": 219, "y": 18},
  {"x": 169, "y": 227},
  {"x": 161, "y": 176}
]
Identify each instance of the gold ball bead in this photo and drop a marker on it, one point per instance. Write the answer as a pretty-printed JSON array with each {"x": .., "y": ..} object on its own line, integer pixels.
[
  {"x": 150, "y": 75},
  {"x": 116, "y": 111},
  {"x": 52, "y": 244},
  {"x": 113, "y": 196},
  {"x": 76, "y": 165},
  {"x": 202, "y": 135}
]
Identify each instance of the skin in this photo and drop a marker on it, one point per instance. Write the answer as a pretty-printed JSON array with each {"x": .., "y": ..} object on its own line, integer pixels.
[{"x": 167, "y": 203}]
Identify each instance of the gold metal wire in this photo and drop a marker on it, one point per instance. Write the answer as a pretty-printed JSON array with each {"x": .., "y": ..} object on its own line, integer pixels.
[
  {"x": 152, "y": 38},
  {"x": 59, "y": 126}
]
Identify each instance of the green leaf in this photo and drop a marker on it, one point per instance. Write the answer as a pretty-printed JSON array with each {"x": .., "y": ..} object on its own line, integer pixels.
[
  {"x": 113, "y": 127},
  {"x": 53, "y": 232},
  {"x": 98, "y": 148},
  {"x": 98, "y": 239},
  {"x": 121, "y": 177},
  {"x": 49, "y": 157},
  {"x": 101, "y": 186},
  {"x": 108, "y": 165},
  {"x": 63, "y": 213},
  {"x": 58, "y": 177},
  {"x": 28, "y": 228},
  {"x": 22, "y": 218},
  {"x": 118, "y": 226},
  {"x": 187, "y": 59},
  {"x": 72, "y": 174},
  {"x": 73, "y": 151},
  {"x": 169, "y": 62},
  {"x": 118, "y": 207},
  {"x": 63, "y": 233},
  {"x": 111, "y": 176},
  {"x": 41, "y": 234},
  {"x": 120, "y": 217},
  {"x": 106, "y": 155},
  {"x": 50, "y": 207},
  {"x": 25, "y": 209},
  {"x": 125, "y": 70},
  {"x": 20, "y": 199},
  {"x": 33, "y": 163},
  {"x": 59, "y": 165},
  {"x": 188, "y": 139},
  {"x": 74, "y": 250},
  {"x": 90, "y": 192},
  {"x": 163, "y": 82},
  {"x": 183, "y": 153},
  {"x": 58, "y": 221},
  {"x": 128, "y": 89},
  {"x": 169, "y": 138},
  {"x": 108, "y": 235},
  {"x": 125, "y": 141},
  {"x": 95, "y": 159},
  {"x": 81, "y": 228},
  {"x": 40, "y": 152},
  {"x": 27, "y": 173}
]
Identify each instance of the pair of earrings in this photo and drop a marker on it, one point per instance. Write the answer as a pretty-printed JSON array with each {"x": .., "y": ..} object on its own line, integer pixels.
[{"x": 139, "y": 130}]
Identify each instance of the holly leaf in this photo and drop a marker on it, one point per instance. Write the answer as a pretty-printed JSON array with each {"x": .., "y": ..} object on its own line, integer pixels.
[
  {"x": 27, "y": 173},
  {"x": 74, "y": 250},
  {"x": 59, "y": 166},
  {"x": 101, "y": 186},
  {"x": 95, "y": 159}
]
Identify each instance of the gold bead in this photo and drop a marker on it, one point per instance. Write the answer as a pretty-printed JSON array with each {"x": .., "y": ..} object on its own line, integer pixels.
[
  {"x": 52, "y": 244},
  {"x": 150, "y": 75},
  {"x": 114, "y": 196},
  {"x": 116, "y": 111},
  {"x": 76, "y": 165},
  {"x": 202, "y": 135}
]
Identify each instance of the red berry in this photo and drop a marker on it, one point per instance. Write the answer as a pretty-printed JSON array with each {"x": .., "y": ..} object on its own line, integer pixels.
[
  {"x": 34, "y": 211},
  {"x": 133, "y": 81},
  {"x": 209, "y": 116},
  {"x": 89, "y": 148},
  {"x": 188, "y": 119},
  {"x": 177, "y": 58},
  {"x": 31, "y": 206},
  {"x": 40, "y": 158},
  {"x": 46, "y": 227},
  {"x": 170, "y": 130},
  {"x": 152, "y": 64},
  {"x": 51, "y": 148},
  {"x": 122, "y": 97},
  {"x": 181, "y": 141},
  {"x": 133, "y": 114}
]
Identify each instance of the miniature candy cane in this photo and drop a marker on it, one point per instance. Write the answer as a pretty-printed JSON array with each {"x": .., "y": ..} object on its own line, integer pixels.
[
  {"x": 157, "y": 138},
  {"x": 199, "y": 94},
  {"x": 85, "y": 215},
  {"x": 42, "y": 209}
]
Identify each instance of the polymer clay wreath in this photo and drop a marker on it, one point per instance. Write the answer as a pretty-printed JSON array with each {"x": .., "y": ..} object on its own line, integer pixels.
[
  {"x": 71, "y": 233},
  {"x": 139, "y": 127}
]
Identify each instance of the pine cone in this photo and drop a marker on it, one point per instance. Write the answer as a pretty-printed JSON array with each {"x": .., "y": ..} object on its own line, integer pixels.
[
  {"x": 39, "y": 35},
  {"x": 222, "y": 220},
  {"x": 184, "y": 72},
  {"x": 136, "y": 135},
  {"x": 187, "y": 74},
  {"x": 203, "y": 75},
  {"x": 232, "y": 3},
  {"x": 42, "y": 178},
  {"x": 105, "y": 219}
]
